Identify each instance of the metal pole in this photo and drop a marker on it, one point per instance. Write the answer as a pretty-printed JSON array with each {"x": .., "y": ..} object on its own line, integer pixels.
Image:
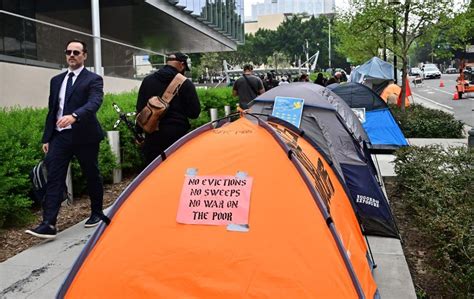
[
  {"x": 307, "y": 53},
  {"x": 213, "y": 112},
  {"x": 470, "y": 138},
  {"x": 330, "y": 45},
  {"x": 114, "y": 142},
  {"x": 96, "y": 34},
  {"x": 226, "y": 71},
  {"x": 395, "y": 77}
]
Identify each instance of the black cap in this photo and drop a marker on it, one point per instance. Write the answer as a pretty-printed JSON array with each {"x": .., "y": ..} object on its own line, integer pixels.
[{"x": 178, "y": 56}]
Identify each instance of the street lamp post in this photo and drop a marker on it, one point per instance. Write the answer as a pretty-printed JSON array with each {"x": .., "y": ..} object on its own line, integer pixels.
[
  {"x": 395, "y": 77},
  {"x": 330, "y": 16},
  {"x": 307, "y": 52},
  {"x": 393, "y": 3},
  {"x": 330, "y": 44}
]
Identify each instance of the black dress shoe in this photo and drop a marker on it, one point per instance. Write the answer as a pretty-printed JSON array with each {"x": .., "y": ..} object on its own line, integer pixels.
[
  {"x": 44, "y": 230},
  {"x": 94, "y": 220}
]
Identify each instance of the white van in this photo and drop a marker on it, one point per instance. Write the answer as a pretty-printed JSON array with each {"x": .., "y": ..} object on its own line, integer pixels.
[{"x": 431, "y": 71}]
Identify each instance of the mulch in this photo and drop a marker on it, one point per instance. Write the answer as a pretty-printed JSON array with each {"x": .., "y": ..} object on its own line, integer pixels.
[
  {"x": 15, "y": 240},
  {"x": 416, "y": 248}
]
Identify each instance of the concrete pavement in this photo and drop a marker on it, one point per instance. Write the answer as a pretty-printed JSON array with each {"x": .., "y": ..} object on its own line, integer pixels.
[{"x": 39, "y": 271}]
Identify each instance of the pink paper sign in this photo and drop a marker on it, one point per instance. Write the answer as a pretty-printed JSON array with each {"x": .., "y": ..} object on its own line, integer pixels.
[{"x": 214, "y": 200}]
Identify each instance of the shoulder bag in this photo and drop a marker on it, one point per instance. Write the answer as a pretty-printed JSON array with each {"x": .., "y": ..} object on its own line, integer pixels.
[
  {"x": 156, "y": 106},
  {"x": 251, "y": 86}
]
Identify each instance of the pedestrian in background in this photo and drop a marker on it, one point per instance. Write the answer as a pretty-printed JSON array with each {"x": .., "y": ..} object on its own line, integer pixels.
[
  {"x": 247, "y": 87},
  {"x": 271, "y": 81},
  {"x": 185, "y": 104},
  {"x": 304, "y": 78},
  {"x": 332, "y": 80},
  {"x": 284, "y": 80},
  {"x": 343, "y": 77},
  {"x": 320, "y": 80},
  {"x": 72, "y": 129}
]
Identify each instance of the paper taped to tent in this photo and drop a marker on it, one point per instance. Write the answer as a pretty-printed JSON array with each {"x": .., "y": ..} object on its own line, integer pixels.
[
  {"x": 247, "y": 209},
  {"x": 384, "y": 133},
  {"x": 342, "y": 140}
]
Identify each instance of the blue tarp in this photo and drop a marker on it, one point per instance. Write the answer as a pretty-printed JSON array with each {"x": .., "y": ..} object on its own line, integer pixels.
[
  {"x": 380, "y": 125},
  {"x": 382, "y": 128}
]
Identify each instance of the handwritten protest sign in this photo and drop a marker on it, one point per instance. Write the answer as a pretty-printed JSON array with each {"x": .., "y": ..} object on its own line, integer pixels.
[{"x": 214, "y": 200}]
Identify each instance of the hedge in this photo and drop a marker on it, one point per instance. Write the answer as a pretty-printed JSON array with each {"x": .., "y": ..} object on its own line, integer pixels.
[
  {"x": 421, "y": 122},
  {"x": 437, "y": 190},
  {"x": 20, "y": 149}
]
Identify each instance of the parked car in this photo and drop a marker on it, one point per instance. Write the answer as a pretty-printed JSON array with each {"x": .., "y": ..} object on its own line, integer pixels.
[
  {"x": 431, "y": 71},
  {"x": 415, "y": 71},
  {"x": 451, "y": 70}
]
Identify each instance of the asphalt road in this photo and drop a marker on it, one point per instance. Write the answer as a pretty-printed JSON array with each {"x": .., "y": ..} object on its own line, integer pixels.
[{"x": 442, "y": 97}]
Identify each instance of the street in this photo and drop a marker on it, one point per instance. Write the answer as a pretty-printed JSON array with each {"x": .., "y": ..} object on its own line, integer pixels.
[{"x": 438, "y": 97}]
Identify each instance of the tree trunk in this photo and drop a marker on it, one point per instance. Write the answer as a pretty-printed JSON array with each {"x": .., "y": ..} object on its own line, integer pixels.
[{"x": 404, "y": 83}]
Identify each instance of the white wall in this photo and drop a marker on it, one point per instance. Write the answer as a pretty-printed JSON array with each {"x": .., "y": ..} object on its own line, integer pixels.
[{"x": 28, "y": 86}]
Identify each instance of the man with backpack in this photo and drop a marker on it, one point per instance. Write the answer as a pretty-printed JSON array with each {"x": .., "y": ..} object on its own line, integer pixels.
[{"x": 247, "y": 87}]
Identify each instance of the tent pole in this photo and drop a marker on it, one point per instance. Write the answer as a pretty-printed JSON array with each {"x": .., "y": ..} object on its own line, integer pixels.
[{"x": 370, "y": 252}]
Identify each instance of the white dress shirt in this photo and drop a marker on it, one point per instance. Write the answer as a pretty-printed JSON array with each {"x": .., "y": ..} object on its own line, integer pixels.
[{"x": 62, "y": 95}]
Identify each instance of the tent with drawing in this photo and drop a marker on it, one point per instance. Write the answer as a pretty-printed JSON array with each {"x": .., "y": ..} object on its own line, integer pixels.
[
  {"x": 335, "y": 131},
  {"x": 247, "y": 209},
  {"x": 384, "y": 133}
]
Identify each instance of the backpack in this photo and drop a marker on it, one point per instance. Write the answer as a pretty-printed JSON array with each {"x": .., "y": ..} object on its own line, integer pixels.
[{"x": 39, "y": 179}]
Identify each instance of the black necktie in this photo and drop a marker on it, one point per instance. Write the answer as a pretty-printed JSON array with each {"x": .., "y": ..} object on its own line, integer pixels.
[{"x": 68, "y": 87}]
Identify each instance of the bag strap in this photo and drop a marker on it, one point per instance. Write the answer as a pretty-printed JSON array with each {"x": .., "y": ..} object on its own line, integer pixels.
[
  {"x": 173, "y": 88},
  {"x": 251, "y": 86}
]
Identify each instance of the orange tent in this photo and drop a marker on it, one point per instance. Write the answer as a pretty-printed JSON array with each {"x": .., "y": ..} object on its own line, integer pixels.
[
  {"x": 395, "y": 90},
  {"x": 294, "y": 243}
]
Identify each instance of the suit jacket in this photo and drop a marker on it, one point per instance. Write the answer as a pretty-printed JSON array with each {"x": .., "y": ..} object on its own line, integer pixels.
[{"x": 85, "y": 100}]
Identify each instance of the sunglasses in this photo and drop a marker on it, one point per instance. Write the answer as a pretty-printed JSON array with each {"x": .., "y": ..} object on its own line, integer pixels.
[{"x": 72, "y": 52}]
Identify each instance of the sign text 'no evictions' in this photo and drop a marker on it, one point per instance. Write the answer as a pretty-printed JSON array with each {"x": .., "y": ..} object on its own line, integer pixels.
[{"x": 215, "y": 200}]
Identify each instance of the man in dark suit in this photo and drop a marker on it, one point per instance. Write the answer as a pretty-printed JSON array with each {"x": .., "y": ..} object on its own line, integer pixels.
[{"x": 72, "y": 129}]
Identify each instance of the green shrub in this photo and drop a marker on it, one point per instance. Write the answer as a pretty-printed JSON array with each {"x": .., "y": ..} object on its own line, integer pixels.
[
  {"x": 21, "y": 131},
  {"x": 437, "y": 189},
  {"x": 131, "y": 159},
  {"x": 20, "y": 149},
  {"x": 422, "y": 122},
  {"x": 214, "y": 98}
]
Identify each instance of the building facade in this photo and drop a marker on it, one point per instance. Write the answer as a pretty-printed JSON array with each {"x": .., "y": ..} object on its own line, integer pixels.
[
  {"x": 310, "y": 7},
  {"x": 33, "y": 33},
  {"x": 271, "y": 13}
]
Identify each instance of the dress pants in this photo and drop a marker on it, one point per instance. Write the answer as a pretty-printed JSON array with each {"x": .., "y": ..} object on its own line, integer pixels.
[{"x": 60, "y": 153}]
